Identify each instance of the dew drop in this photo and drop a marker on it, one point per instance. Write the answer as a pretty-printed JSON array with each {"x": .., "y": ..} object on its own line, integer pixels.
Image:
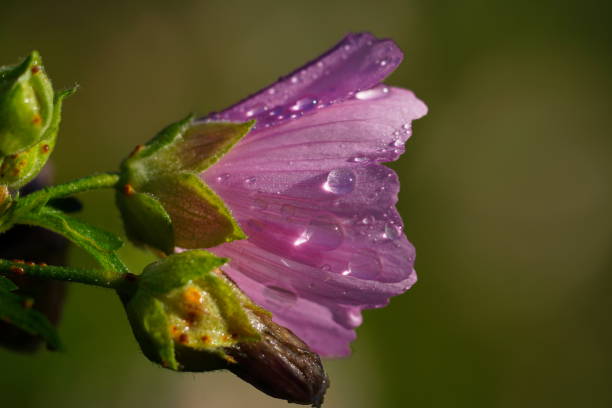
[
  {"x": 223, "y": 177},
  {"x": 256, "y": 110},
  {"x": 294, "y": 79},
  {"x": 280, "y": 296},
  {"x": 304, "y": 104},
  {"x": 383, "y": 62},
  {"x": 259, "y": 203},
  {"x": 364, "y": 264},
  {"x": 358, "y": 159},
  {"x": 392, "y": 232},
  {"x": 406, "y": 126},
  {"x": 379, "y": 91},
  {"x": 271, "y": 91},
  {"x": 340, "y": 181},
  {"x": 320, "y": 235},
  {"x": 250, "y": 181}
]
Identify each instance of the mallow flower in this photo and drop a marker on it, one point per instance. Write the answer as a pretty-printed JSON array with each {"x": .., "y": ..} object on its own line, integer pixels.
[
  {"x": 307, "y": 186},
  {"x": 289, "y": 186}
]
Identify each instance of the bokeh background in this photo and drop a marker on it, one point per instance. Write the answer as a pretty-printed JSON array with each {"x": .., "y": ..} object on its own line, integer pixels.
[{"x": 506, "y": 191}]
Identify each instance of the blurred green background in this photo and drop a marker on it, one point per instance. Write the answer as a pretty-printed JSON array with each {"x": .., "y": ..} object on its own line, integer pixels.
[{"x": 506, "y": 191}]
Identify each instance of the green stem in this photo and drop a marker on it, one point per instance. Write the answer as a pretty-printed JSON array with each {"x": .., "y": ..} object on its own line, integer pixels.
[
  {"x": 93, "y": 182},
  {"x": 105, "y": 279}
]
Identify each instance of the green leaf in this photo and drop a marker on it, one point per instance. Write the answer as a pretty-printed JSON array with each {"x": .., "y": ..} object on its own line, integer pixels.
[
  {"x": 6, "y": 284},
  {"x": 16, "y": 311},
  {"x": 101, "y": 245}
]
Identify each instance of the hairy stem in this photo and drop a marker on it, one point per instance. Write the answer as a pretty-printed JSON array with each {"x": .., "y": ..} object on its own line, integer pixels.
[{"x": 103, "y": 278}]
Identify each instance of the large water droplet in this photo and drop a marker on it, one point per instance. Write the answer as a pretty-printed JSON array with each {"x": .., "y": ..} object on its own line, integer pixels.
[
  {"x": 320, "y": 235},
  {"x": 364, "y": 264},
  {"x": 379, "y": 91},
  {"x": 340, "y": 181},
  {"x": 280, "y": 296}
]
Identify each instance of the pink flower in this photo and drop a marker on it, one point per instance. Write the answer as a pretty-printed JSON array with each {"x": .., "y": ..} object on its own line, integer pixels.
[{"x": 308, "y": 188}]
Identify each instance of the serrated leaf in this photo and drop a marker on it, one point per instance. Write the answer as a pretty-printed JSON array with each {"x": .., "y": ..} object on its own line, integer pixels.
[
  {"x": 100, "y": 244},
  {"x": 14, "y": 310}
]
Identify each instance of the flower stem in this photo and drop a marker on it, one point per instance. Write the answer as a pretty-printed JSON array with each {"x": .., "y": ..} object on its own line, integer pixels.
[
  {"x": 103, "y": 278},
  {"x": 93, "y": 182}
]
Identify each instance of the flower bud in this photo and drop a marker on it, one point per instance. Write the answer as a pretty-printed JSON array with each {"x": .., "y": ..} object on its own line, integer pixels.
[
  {"x": 26, "y": 105},
  {"x": 163, "y": 201},
  {"x": 280, "y": 364},
  {"x": 188, "y": 316}
]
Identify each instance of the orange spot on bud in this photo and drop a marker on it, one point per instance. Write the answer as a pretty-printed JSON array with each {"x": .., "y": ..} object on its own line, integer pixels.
[
  {"x": 42, "y": 264},
  {"x": 28, "y": 303},
  {"x": 128, "y": 190},
  {"x": 30, "y": 263},
  {"x": 35, "y": 69},
  {"x": 136, "y": 150},
  {"x": 37, "y": 119},
  {"x": 205, "y": 339},
  {"x": 18, "y": 261},
  {"x": 45, "y": 148},
  {"x": 17, "y": 270},
  {"x": 183, "y": 338}
]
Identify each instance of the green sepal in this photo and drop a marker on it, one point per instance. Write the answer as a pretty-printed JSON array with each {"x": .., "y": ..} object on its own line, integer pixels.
[
  {"x": 199, "y": 217},
  {"x": 100, "y": 244},
  {"x": 151, "y": 327},
  {"x": 183, "y": 303},
  {"x": 146, "y": 221},
  {"x": 26, "y": 105},
  {"x": 18, "y": 169},
  {"x": 167, "y": 170},
  {"x": 17, "y": 311}
]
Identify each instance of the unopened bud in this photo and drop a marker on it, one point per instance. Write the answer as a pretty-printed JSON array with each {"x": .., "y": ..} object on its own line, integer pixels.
[
  {"x": 280, "y": 364},
  {"x": 26, "y": 105}
]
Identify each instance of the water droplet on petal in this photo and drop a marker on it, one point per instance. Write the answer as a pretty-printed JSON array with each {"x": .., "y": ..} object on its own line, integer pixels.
[
  {"x": 304, "y": 104},
  {"x": 358, "y": 159},
  {"x": 259, "y": 203},
  {"x": 250, "y": 181},
  {"x": 377, "y": 92},
  {"x": 392, "y": 232},
  {"x": 223, "y": 177},
  {"x": 320, "y": 235},
  {"x": 354, "y": 318},
  {"x": 280, "y": 296},
  {"x": 294, "y": 79},
  {"x": 271, "y": 91},
  {"x": 340, "y": 181},
  {"x": 364, "y": 264},
  {"x": 256, "y": 110}
]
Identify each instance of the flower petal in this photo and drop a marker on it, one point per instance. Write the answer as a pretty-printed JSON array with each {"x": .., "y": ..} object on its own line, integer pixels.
[
  {"x": 325, "y": 239},
  {"x": 358, "y": 62}
]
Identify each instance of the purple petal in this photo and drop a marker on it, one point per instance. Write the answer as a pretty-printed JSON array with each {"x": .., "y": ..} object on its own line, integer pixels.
[
  {"x": 358, "y": 62},
  {"x": 325, "y": 240}
]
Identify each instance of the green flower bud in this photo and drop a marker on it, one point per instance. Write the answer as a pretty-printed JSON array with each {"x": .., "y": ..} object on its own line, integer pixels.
[
  {"x": 162, "y": 199},
  {"x": 26, "y": 105},
  {"x": 188, "y": 316},
  {"x": 184, "y": 303},
  {"x": 18, "y": 169}
]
